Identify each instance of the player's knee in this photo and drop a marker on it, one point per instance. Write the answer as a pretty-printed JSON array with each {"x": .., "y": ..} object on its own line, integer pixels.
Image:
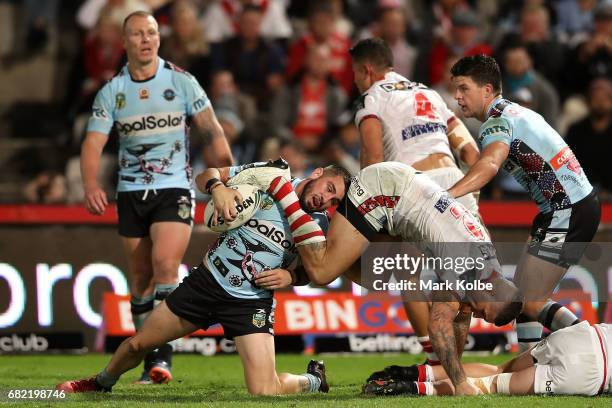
[
  {"x": 136, "y": 346},
  {"x": 165, "y": 267}
]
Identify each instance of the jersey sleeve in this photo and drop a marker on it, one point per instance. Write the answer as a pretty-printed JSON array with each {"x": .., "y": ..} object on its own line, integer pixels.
[
  {"x": 259, "y": 174},
  {"x": 196, "y": 99},
  {"x": 495, "y": 130},
  {"x": 101, "y": 119},
  {"x": 366, "y": 107}
]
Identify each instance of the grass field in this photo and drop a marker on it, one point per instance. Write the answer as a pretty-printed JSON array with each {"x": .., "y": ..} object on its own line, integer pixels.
[{"x": 217, "y": 381}]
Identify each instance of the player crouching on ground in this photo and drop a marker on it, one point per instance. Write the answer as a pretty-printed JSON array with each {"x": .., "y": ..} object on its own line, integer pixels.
[
  {"x": 575, "y": 360},
  {"x": 234, "y": 284}
]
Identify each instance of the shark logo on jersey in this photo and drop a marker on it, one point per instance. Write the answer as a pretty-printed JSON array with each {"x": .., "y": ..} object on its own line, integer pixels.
[
  {"x": 169, "y": 95},
  {"x": 248, "y": 264}
]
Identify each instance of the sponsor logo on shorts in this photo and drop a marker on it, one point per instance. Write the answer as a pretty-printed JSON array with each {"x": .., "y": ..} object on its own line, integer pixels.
[
  {"x": 459, "y": 212},
  {"x": 549, "y": 384},
  {"x": 143, "y": 93},
  {"x": 120, "y": 100},
  {"x": 566, "y": 156},
  {"x": 150, "y": 123},
  {"x": 443, "y": 203},
  {"x": 169, "y": 95},
  {"x": 184, "y": 207},
  {"x": 259, "y": 318}
]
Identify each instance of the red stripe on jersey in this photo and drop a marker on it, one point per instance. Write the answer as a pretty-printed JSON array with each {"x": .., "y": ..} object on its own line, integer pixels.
[
  {"x": 292, "y": 208},
  {"x": 421, "y": 388},
  {"x": 274, "y": 184},
  {"x": 309, "y": 235},
  {"x": 422, "y": 372},
  {"x": 370, "y": 116},
  {"x": 300, "y": 221},
  {"x": 283, "y": 191}
]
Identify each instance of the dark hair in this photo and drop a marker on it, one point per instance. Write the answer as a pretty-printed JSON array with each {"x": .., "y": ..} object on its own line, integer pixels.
[
  {"x": 481, "y": 68},
  {"x": 251, "y": 8},
  {"x": 373, "y": 50},
  {"x": 320, "y": 6},
  {"x": 139, "y": 13},
  {"x": 335, "y": 170},
  {"x": 508, "y": 313}
]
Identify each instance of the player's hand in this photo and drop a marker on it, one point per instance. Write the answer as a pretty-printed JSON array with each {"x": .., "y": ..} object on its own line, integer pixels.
[
  {"x": 224, "y": 200},
  {"x": 465, "y": 388},
  {"x": 274, "y": 279},
  {"x": 95, "y": 200}
]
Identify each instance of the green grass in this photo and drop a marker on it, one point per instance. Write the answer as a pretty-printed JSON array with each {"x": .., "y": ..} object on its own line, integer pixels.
[{"x": 217, "y": 381}]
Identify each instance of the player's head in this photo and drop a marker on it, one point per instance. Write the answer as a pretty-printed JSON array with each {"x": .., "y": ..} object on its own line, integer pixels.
[
  {"x": 478, "y": 82},
  {"x": 325, "y": 187},
  {"x": 140, "y": 37},
  {"x": 372, "y": 58},
  {"x": 500, "y": 305}
]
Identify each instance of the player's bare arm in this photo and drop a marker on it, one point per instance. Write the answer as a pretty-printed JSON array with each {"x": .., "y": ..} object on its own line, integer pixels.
[
  {"x": 462, "y": 143},
  {"x": 91, "y": 151},
  {"x": 444, "y": 340},
  {"x": 325, "y": 261},
  {"x": 217, "y": 152},
  {"x": 461, "y": 326},
  {"x": 371, "y": 135},
  {"x": 483, "y": 170}
]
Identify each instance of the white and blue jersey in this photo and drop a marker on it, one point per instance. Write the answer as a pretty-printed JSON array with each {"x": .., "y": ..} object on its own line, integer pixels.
[
  {"x": 539, "y": 159},
  {"x": 262, "y": 243},
  {"x": 150, "y": 118}
]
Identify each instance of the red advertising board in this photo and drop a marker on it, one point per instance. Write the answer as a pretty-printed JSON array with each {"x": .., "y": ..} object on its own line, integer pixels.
[{"x": 331, "y": 313}]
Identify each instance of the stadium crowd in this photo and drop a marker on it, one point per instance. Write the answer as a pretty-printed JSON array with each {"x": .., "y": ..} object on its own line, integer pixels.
[{"x": 278, "y": 72}]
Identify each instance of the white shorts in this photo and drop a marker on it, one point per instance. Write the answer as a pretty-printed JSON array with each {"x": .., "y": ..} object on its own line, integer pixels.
[
  {"x": 569, "y": 361},
  {"x": 446, "y": 177}
]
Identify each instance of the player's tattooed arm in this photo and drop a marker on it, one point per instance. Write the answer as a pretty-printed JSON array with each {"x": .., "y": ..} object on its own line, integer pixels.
[
  {"x": 461, "y": 326},
  {"x": 443, "y": 339},
  {"x": 216, "y": 150}
]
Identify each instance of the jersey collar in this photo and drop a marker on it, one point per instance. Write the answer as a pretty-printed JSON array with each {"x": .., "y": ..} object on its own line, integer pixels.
[
  {"x": 160, "y": 65},
  {"x": 493, "y": 107}
]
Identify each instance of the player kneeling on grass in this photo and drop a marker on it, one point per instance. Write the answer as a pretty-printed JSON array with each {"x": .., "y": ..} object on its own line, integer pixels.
[
  {"x": 234, "y": 284},
  {"x": 575, "y": 360}
]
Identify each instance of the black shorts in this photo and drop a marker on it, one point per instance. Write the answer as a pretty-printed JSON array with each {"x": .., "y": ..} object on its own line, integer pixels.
[
  {"x": 561, "y": 236},
  {"x": 138, "y": 210},
  {"x": 200, "y": 300}
]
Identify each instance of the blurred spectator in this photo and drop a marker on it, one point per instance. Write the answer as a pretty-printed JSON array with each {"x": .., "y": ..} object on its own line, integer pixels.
[
  {"x": 90, "y": 11},
  {"x": 99, "y": 60},
  {"x": 524, "y": 84},
  {"x": 294, "y": 153},
  {"x": 464, "y": 41},
  {"x": 446, "y": 90},
  {"x": 222, "y": 19},
  {"x": 40, "y": 17},
  {"x": 591, "y": 138},
  {"x": 256, "y": 63},
  {"x": 244, "y": 149},
  {"x": 321, "y": 31},
  {"x": 574, "y": 17},
  {"x": 391, "y": 26},
  {"x": 343, "y": 25},
  {"x": 593, "y": 57},
  {"x": 439, "y": 17},
  {"x": 547, "y": 53},
  {"x": 186, "y": 46},
  {"x": 309, "y": 107},
  {"x": 224, "y": 94},
  {"x": 47, "y": 188}
]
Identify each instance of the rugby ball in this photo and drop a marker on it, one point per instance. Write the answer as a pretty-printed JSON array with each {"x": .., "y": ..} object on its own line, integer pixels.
[{"x": 252, "y": 197}]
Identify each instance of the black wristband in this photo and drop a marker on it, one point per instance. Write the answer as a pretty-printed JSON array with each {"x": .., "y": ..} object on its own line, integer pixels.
[{"x": 211, "y": 183}]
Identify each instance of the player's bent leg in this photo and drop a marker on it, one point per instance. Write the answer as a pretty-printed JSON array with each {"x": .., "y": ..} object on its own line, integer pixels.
[
  {"x": 257, "y": 353},
  {"x": 161, "y": 327},
  {"x": 170, "y": 241}
]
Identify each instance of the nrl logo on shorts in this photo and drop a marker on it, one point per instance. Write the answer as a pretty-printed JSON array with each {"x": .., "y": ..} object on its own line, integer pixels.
[
  {"x": 259, "y": 318},
  {"x": 120, "y": 100},
  {"x": 184, "y": 207}
]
